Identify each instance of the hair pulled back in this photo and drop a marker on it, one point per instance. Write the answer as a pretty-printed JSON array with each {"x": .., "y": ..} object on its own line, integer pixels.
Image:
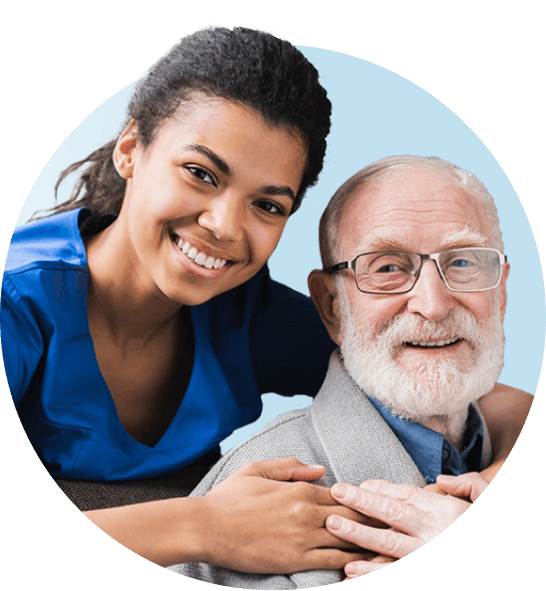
[{"x": 242, "y": 65}]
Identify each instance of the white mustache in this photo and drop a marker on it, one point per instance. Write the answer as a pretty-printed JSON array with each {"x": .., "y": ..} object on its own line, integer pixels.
[
  {"x": 405, "y": 328},
  {"x": 414, "y": 388}
]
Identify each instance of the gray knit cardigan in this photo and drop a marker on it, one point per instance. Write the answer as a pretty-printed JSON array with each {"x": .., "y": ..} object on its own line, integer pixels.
[{"x": 342, "y": 431}]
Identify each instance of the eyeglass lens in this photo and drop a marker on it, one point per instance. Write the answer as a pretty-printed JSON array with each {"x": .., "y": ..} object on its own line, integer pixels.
[{"x": 462, "y": 269}]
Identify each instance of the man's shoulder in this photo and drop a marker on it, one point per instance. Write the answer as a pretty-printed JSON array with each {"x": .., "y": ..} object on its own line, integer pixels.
[{"x": 288, "y": 435}]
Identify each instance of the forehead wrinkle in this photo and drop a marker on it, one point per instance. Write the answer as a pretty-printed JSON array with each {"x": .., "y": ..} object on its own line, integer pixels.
[
  {"x": 383, "y": 238},
  {"x": 388, "y": 223}
]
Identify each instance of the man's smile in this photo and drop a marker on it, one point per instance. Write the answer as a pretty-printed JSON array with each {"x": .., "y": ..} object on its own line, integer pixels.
[{"x": 432, "y": 344}]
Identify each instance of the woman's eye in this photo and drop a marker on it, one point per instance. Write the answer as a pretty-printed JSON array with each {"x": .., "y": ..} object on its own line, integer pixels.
[
  {"x": 270, "y": 207},
  {"x": 202, "y": 174}
]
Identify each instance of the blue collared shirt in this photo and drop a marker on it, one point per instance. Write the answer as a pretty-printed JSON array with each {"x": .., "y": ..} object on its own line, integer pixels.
[{"x": 431, "y": 452}]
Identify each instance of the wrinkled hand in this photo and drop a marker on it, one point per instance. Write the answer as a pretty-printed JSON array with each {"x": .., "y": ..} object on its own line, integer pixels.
[
  {"x": 415, "y": 516},
  {"x": 258, "y": 521}
]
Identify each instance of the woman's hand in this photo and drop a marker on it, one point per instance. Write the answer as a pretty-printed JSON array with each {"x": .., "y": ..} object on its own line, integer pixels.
[
  {"x": 415, "y": 516},
  {"x": 257, "y": 521}
]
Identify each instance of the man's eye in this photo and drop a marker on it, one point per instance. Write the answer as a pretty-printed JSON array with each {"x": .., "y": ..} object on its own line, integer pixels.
[
  {"x": 461, "y": 263},
  {"x": 389, "y": 269}
]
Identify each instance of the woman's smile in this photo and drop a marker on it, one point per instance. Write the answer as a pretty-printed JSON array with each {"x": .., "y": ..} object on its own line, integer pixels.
[{"x": 197, "y": 256}]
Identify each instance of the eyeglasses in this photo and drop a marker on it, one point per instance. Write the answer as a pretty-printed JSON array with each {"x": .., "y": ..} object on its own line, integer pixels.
[{"x": 462, "y": 269}]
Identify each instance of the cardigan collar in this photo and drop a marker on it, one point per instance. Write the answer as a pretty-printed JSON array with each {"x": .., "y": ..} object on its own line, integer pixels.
[{"x": 348, "y": 427}]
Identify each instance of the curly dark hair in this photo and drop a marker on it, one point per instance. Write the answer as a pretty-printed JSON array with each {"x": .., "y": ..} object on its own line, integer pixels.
[{"x": 246, "y": 66}]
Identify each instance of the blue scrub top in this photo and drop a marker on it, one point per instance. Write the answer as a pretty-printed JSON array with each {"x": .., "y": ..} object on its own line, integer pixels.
[{"x": 259, "y": 337}]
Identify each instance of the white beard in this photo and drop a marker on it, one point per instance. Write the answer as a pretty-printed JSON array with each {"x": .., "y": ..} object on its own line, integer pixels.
[{"x": 427, "y": 392}]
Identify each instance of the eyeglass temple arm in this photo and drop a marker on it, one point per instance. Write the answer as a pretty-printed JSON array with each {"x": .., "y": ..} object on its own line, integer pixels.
[{"x": 338, "y": 267}]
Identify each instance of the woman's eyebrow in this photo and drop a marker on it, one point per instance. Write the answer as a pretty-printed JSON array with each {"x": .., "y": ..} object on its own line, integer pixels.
[
  {"x": 223, "y": 167},
  {"x": 220, "y": 164},
  {"x": 283, "y": 190}
]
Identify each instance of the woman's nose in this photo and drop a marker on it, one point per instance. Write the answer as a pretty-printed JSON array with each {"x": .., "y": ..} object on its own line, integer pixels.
[{"x": 224, "y": 216}]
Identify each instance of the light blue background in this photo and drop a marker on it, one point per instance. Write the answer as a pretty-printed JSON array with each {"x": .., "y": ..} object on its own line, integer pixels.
[{"x": 376, "y": 113}]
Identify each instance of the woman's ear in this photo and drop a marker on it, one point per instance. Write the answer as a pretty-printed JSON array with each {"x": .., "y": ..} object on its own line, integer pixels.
[
  {"x": 124, "y": 152},
  {"x": 323, "y": 290}
]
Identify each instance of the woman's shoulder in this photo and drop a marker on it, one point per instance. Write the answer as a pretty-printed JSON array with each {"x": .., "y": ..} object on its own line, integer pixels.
[{"x": 51, "y": 241}]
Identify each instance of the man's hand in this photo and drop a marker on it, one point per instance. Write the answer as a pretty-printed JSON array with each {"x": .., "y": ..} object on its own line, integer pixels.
[
  {"x": 257, "y": 521},
  {"x": 415, "y": 516}
]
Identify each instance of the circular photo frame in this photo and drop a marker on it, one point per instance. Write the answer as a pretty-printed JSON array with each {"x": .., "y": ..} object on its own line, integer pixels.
[{"x": 376, "y": 113}]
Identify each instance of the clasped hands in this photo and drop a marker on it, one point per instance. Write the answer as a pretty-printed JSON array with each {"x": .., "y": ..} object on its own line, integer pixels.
[
  {"x": 265, "y": 518},
  {"x": 415, "y": 515}
]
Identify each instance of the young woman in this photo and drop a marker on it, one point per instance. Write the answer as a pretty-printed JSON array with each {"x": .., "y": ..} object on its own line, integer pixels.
[{"x": 140, "y": 324}]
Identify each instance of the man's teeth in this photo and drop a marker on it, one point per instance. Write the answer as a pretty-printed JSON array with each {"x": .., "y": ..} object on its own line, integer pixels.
[
  {"x": 198, "y": 257},
  {"x": 433, "y": 343}
]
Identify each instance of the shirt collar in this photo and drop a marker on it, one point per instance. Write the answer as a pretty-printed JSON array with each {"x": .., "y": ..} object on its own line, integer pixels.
[{"x": 431, "y": 452}]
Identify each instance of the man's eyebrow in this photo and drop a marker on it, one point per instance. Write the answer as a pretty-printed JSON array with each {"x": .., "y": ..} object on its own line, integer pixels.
[
  {"x": 463, "y": 238},
  {"x": 220, "y": 163},
  {"x": 381, "y": 240},
  {"x": 385, "y": 240}
]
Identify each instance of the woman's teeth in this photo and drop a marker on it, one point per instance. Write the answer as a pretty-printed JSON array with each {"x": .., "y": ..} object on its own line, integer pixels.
[{"x": 198, "y": 257}]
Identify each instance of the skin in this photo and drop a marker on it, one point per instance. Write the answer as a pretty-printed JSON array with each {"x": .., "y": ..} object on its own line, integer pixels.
[
  {"x": 208, "y": 177},
  {"x": 416, "y": 212},
  {"x": 220, "y": 528},
  {"x": 416, "y": 515}
]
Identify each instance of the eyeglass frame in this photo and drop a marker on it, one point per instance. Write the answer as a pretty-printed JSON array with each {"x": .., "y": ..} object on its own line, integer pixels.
[{"x": 503, "y": 259}]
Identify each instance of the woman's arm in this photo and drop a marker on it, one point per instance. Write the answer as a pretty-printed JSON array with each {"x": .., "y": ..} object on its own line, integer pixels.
[
  {"x": 152, "y": 529},
  {"x": 505, "y": 410},
  {"x": 254, "y": 521},
  {"x": 22, "y": 342}
]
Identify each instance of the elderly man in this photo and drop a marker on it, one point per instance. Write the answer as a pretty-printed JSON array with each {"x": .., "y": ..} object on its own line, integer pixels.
[{"x": 414, "y": 293}]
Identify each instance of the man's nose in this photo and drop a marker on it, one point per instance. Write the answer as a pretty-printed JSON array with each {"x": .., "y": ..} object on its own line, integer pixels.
[
  {"x": 224, "y": 216},
  {"x": 430, "y": 297}
]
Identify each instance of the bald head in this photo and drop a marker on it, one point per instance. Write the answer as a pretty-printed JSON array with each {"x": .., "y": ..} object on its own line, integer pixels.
[{"x": 376, "y": 175}]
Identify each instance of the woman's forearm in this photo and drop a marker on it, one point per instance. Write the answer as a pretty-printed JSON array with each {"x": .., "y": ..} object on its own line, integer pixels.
[
  {"x": 166, "y": 532},
  {"x": 505, "y": 410},
  {"x": 253, "y": 521}
]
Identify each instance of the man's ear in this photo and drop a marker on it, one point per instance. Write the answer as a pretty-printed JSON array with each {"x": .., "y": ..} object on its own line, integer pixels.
[
  {"x": 124, "y": 152},
  {"x": 323, "y": 290},
  {"x": 502, "y": 287}
]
